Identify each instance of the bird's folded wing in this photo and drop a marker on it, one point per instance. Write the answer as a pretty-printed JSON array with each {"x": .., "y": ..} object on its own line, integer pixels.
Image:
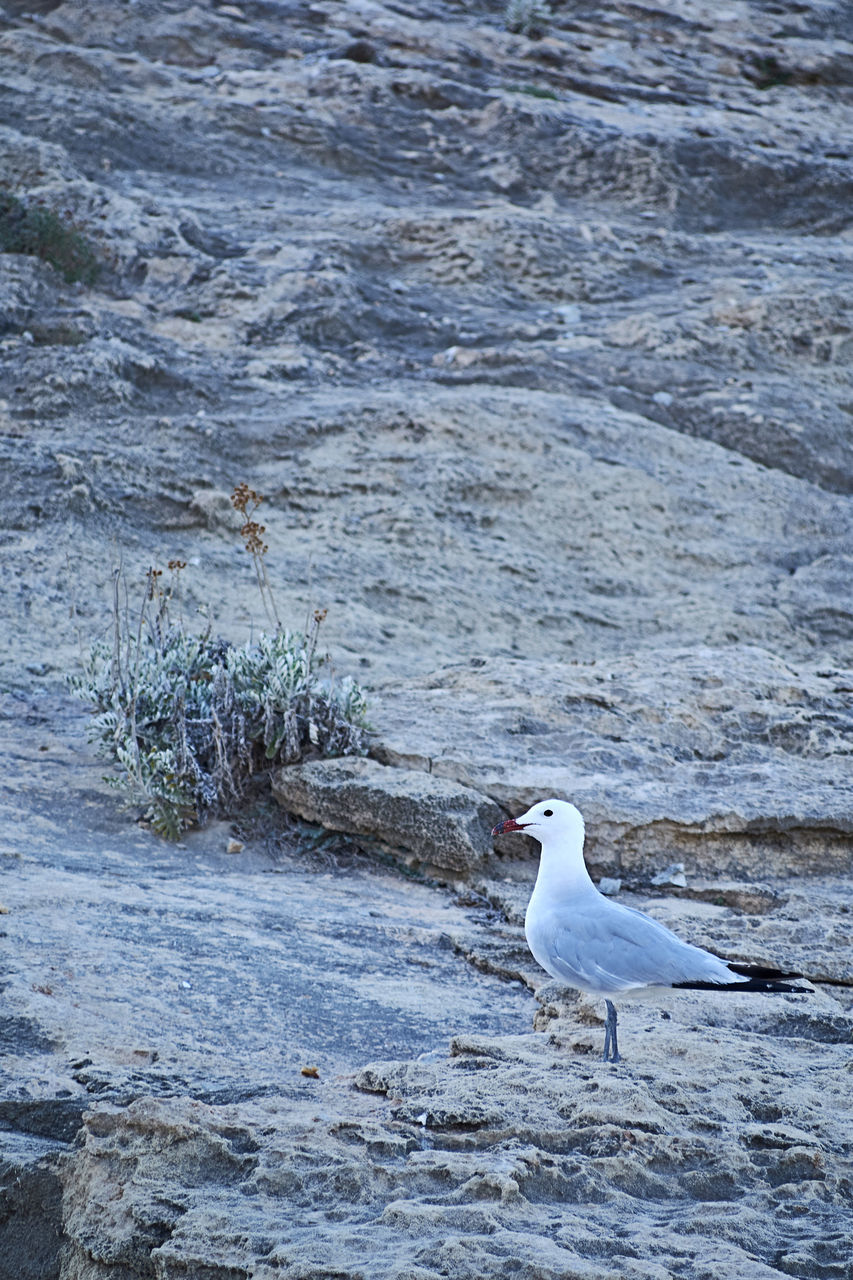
[{"x": 611, "y": 947}]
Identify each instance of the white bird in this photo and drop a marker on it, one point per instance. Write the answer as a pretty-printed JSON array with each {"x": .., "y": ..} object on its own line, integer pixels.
[{"x": 602, "y": 947}]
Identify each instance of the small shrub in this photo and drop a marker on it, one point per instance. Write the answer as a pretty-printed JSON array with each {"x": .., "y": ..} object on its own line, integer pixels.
[
  {"x": 190, "y": 719},
  {"x": 527, "y": 17},
  {"x": 42, "y": 233},
  {"x": 766, "y": 71}
]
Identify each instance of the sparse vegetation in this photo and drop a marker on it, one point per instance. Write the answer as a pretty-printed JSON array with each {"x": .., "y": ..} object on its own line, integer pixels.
[
  {"x": 42, "y": 233},
  {"x": 527, "y": 17},
  {"x": 537, "y": 91},
  {"x": 190, "y": 719},
  {"x": 767, "y": 72}
]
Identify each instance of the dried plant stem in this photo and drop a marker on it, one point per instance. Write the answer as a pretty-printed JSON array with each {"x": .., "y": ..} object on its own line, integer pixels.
[
  {"x": 311, "y": 638},
  {"x": 116, "y": 663},
  {"x": 265, "y": 588},
  {"x": 247, "y": 501},
  {"x": 134, "y": 685}
]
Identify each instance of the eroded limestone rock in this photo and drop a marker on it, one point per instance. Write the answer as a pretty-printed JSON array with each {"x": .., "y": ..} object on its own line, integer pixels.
[
  {"x": 727, "y": 757},
  {"x": 443, "y": 823},
  {"x": 540, "y": 351}
]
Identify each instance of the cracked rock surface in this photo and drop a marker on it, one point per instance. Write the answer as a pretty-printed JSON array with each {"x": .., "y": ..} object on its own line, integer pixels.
[{"x": 540, "y": 348}]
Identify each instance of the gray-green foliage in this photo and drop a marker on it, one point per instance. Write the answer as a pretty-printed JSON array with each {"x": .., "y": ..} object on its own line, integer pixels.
[
  {"x": 527, "y": 17},
  {"x": 43, "y": 233},
  {"x": 189, "y": 719}
]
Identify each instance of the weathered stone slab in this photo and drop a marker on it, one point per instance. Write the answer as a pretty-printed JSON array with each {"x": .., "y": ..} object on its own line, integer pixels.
[
  {"x": 729, "y": 758},
  {"x": 439, "y": 820},
  {"x": 540, "y": 349}
]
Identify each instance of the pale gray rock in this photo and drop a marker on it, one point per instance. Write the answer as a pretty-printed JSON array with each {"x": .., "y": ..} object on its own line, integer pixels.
[
  {"x": 28, "y": 287},
  {"x": 727, "y": 757},
  {"x": 609, "y": 885},
  {"x": 671, "y": 875},
  {"x": 213, "y": 508},
  {"x": 442, "y": 823},
  {"x": 541, "y": 351},
  {"x": 190, "y": 976},
  {"x": 513, "y": 1151}
]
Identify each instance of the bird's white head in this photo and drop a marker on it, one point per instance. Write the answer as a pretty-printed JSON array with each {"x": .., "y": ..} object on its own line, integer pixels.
[
  {"x": 558, "y": 826},
  {"x": 549, "y": 822}
]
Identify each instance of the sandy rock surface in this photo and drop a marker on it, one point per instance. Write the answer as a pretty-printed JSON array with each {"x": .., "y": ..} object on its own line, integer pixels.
[
  {"x": 540, "y": 349},
  {"x": 737, "y": 758},
  {"x": 447, "y": 825}
]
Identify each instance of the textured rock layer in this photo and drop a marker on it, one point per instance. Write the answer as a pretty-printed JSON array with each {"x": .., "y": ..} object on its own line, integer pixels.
[
  {"x": 539, "y": 346},
  {"x": 439, "y": 821}
]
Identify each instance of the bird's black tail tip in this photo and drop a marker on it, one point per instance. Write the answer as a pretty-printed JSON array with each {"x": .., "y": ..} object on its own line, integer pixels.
[
  {"x": 758, "y": 978},
  {"x": 762, "y": 971}
]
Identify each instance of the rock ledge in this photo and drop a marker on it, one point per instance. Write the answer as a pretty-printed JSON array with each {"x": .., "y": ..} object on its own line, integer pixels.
[{"x": 440, "y": 821}]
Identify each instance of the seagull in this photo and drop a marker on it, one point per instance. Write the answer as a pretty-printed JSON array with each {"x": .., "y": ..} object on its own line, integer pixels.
[{"x": 602, "y": 947}]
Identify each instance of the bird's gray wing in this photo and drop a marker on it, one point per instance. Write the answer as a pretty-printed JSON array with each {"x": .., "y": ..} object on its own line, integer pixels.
[{"x": 605, "y": 946}]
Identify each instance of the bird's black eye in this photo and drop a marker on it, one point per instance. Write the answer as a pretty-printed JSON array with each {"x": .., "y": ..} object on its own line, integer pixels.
[{"x": 549, "y": 813}]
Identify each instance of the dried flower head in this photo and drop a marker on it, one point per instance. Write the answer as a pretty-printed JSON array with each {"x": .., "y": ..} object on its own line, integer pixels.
[
  {"x": 254, "y": 542},
  {"x": 247, "y": 501},
  {"x": 243, "y": 496}
]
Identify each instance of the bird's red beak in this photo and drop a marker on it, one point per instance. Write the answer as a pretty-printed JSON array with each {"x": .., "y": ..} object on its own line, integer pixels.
[{"x": 508, "y": 824}]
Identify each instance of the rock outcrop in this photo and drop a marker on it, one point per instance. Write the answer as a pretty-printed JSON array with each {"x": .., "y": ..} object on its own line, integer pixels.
[
  {"x": 726, "y": 757},
  {"x": 443, "y": 824},
  {"x": 540, "y": 347}
]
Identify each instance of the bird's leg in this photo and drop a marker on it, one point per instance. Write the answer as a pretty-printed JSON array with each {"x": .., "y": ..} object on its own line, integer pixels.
[{"x": 611, "y": 1047}]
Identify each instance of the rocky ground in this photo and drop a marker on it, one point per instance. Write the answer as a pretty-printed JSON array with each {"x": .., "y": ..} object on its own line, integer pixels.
[{"x": 540, "y": 348}]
